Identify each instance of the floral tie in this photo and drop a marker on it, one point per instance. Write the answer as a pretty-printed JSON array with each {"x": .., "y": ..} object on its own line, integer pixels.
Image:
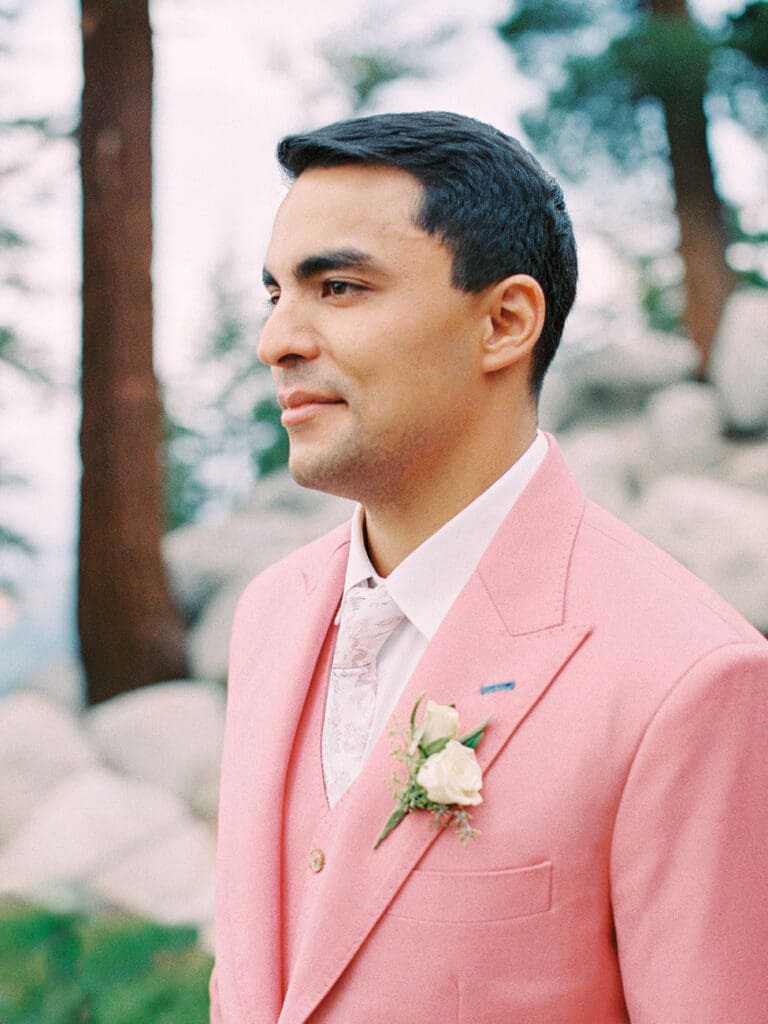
[{"x": 369, "y": 615}]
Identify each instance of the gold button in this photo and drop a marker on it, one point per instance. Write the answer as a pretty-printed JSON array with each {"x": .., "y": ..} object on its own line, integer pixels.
[{"x": 316, "y": 861}]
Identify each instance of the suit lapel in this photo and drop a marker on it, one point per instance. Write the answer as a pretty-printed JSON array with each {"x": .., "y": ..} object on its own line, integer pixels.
[
  {"x": 507, "y": 624},
  {"x": 260, "y": 738}
]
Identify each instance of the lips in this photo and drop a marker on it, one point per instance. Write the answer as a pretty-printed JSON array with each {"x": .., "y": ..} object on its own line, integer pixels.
[
  {"x": 299, "y": 406},
  {"x": 293, "y": 399}
]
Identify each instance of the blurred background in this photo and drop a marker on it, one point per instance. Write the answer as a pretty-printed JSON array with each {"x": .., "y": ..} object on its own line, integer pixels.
[{"x": 142, "y": 476}]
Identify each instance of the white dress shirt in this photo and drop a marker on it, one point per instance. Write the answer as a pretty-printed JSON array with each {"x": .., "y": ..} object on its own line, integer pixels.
[{"x": 428, "y": 581}]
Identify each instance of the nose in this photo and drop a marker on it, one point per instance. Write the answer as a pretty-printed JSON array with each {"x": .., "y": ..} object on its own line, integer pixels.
[{"x": 286, "y": 336}]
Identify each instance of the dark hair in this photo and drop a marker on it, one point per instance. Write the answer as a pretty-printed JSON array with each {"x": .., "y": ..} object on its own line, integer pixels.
[{"x": 485, "y": 197}]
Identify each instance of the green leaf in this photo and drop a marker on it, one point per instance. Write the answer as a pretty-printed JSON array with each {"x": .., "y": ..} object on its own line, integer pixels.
[
  {"x": 415, "y": 709},
  {"x": 472, "y": 738},
  {"x": 435, "y": 746},
  {"x": 392, "y": 822}
]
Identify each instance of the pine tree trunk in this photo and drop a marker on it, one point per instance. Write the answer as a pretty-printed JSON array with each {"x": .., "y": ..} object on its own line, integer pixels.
[
  {"x": 708, "y": 278},
  {"x": 130, "y": 633}
]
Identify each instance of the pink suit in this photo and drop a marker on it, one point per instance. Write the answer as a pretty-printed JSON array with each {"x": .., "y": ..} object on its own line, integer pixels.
[{"x": 622, "y": 870}]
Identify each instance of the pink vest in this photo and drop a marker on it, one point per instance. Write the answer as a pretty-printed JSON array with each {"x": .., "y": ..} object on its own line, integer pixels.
[{"x": 306, "y": 809}]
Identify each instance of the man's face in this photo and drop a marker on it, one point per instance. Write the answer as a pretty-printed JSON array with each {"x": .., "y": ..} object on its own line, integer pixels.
[{"x": 373, "y": 350}]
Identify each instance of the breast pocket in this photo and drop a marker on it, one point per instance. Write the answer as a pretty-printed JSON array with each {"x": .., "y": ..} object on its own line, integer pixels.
[{"x": 482, "y": 896}]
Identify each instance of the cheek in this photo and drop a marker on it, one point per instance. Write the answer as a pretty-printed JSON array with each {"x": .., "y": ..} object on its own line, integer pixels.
[
  {"x": 442, "y": 366},
  {"x": 416, "y": 360}
]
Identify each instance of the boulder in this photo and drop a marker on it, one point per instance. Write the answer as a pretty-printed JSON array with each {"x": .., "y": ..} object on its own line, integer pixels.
[
  {"x": 208, "y": 639},
  {"x": 560, "y": 404},
  {"x": 684, "y": 430},
  {"x": 639, "y": 364},
  {"x": 169, "y": 734},
  {"x": 62, "y": 680},
  {"x": 100, "y": 840},
  {"x": 719, "y": 532},
  {"x": 748, "y": 465},
  {"x": 739, "y": 362},
  {"x": 609, "y": 463},
  {"x": 279, "y": 517},
  {"x": 605, "y": 382},
  {"x": 41, "y": 743}
]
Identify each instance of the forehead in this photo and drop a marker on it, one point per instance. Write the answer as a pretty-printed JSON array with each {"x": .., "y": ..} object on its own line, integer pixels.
[{"x": 363, "y": 207}]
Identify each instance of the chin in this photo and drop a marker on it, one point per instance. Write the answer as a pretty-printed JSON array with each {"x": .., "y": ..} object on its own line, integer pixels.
[
  {"x": 313, "y": 473},
  {"x": 327, "y": 473}
]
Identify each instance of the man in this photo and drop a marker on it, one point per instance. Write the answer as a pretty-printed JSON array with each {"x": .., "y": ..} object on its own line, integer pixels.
[{"x": 420, "y": 271}]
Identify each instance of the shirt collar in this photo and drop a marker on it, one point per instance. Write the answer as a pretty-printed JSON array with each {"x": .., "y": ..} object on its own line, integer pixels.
[{"x": 428, "y": 581}]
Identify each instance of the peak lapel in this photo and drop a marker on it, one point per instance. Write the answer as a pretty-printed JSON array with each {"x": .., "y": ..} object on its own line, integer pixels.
[
  {"x": 260, "y": 736},
  {"x": 507, "y": 624}
]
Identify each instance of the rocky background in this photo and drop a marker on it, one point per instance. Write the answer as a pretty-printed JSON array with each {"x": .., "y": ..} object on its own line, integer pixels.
[{"x": 115, "y": 806}]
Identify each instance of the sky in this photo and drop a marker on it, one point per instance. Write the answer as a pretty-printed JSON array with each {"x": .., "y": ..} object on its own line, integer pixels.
[{"x": 231, "y": 77}]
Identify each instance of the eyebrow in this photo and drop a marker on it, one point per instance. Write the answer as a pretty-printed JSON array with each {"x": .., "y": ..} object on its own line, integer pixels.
[{"x": 334, "y": 259}]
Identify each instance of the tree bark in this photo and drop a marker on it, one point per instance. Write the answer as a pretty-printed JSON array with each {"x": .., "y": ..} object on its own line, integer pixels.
[
  {"x": 708, "y": 279},
  {"x": 130, "y": 632}
]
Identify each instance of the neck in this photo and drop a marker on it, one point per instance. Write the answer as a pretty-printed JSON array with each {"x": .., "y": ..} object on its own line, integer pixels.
[{"x": 396, "y": 528}]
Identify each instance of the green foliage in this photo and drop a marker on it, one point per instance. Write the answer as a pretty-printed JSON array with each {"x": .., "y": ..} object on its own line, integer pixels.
[
  {"x": 185, "y": 493},
  {"x": 536, "y": 18},
  {"x": 607, "y": 66},
  {"x": 740, "y": 69},
  {"x": 365, "y": 62},
  {"x": 16, "y": 360},
  {"x": 227, "y": 430},
  {"x": 273, "y": 453},
  {"x": 68, "y": 969},
  {"x": 13, "y": 355},
  {"x": 661, "y": 298},
  {"x": 14, "y": 539},
  {"x": 10, "y": 238},
  {"x": 749, "y": 32},
  {"x": 364, "y": 74},
  {"x": 662, "y": 57},
  {"x": 544, "y": 36},
  {"x": 608, "y": 95},
  {"x": 612, "y": 72}
]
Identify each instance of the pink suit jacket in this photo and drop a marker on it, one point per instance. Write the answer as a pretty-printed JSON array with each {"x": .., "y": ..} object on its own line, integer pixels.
[{"x": 622, "y": 870}]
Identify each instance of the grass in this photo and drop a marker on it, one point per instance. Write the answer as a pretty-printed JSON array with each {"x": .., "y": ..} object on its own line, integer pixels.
[{"x": 61, "y": 968}]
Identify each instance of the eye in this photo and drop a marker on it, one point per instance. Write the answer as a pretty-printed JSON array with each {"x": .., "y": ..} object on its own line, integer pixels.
[
  {"x": 271, "y": 299},
  {"x": 338, "y": 289}
]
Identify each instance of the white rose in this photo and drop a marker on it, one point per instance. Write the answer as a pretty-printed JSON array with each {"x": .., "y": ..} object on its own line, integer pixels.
[
  {"x": 452, "y": 776},
  {"x": 441, "y": 721}
]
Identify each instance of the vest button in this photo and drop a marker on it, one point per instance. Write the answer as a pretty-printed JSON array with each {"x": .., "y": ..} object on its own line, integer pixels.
[{"x": 316, "y": 861}]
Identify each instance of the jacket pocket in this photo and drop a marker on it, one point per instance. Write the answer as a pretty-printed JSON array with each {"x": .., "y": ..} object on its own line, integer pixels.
[{"x": 483, "y": 896}]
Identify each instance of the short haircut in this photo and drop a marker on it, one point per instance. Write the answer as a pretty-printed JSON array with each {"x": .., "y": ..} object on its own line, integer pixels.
[{"x": 485, "y": 197}]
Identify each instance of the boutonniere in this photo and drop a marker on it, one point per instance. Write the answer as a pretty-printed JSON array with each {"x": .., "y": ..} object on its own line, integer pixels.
[{"x": 443, "y": 776}]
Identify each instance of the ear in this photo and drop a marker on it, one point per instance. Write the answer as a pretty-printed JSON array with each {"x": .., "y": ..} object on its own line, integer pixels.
[{"x": 516, "y": 310}]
